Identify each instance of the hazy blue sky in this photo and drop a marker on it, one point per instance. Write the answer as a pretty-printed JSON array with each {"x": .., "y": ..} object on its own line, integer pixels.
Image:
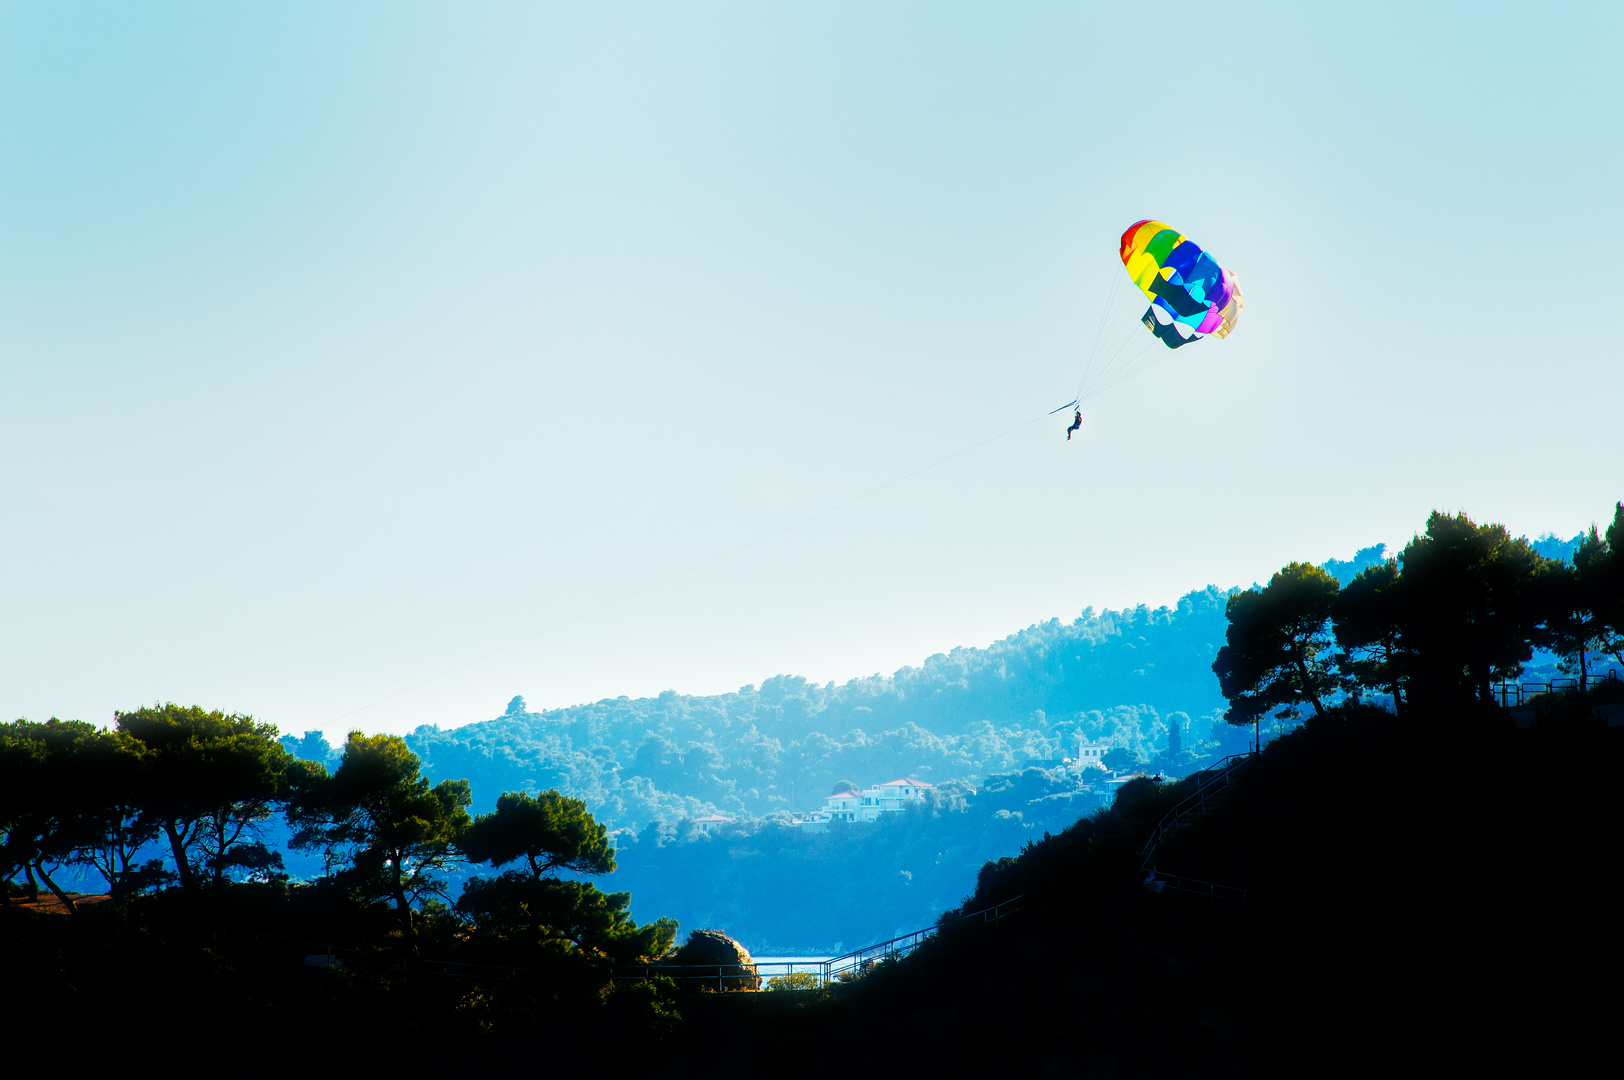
[{"x": 343, "y": 344}]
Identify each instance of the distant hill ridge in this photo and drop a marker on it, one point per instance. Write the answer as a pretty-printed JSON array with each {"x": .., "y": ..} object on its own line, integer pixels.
[
  {"x": 1114, "y": 676},
  {"x": 1119, "y": 677}
]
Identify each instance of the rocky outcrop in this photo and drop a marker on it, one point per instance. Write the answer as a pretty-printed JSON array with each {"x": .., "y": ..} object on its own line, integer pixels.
[{"x": 715, "y": 962}]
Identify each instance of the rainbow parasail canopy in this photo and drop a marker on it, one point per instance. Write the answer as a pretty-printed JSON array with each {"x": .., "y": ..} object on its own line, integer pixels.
[{"x": 1191, "y": 296}]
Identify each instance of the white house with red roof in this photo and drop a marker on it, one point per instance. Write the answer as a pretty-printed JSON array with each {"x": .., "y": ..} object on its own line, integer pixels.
[
  {"x": 843, "y": 806},
  {"x": 867, "y": 805}
]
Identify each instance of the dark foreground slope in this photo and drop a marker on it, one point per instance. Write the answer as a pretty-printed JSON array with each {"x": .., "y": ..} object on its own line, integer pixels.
[
  {"x": 1439, "y": 893},
  {"x": 1421, "y": 893},
  {"x": 236, "y": 984}
]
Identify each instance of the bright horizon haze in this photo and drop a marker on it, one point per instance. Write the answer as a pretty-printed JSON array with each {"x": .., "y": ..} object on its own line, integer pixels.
[{"x": 342, "y": 347}]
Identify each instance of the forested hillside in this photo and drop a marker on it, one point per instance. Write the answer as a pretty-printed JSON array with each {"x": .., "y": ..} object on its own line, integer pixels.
[
  {"x": 1119, "y": 677},
  {"x": 987, "y": 726}
]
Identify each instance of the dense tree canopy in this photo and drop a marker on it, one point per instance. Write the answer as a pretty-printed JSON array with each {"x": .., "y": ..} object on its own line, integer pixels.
[
  {"x": 778, "y": 747},
  {"x": 201, "y": 785},
  {"x": 378, "y": 818},
  {"x": 1279, "y": 655},
  {"x": 46, "y": 805},
  {"x": 1369, "y": 618},
  {"x": 550, "y": 832},
  {"x": 209, "y": 780},
  {"x": 1462, "y": 607},
  {"x": 1473, "y": 607},
  {"x": 111, "y": 777},
  {"x": 1590, "y": 601}
]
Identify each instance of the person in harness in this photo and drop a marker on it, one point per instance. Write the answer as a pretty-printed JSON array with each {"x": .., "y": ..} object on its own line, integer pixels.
[{"x": 1077, "y": 422}]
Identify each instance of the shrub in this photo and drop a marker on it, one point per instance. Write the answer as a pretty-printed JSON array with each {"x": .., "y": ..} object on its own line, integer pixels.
[{"x": 798, "y": 980}]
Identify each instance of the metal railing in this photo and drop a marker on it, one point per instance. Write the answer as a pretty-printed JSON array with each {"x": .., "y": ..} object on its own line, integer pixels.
[
  {"x": 1214, "y": 781},
  {"x": 1156, "y": 882},
  {"x": 1513, "y": 695},
  {"x": 852, "y": 965}
]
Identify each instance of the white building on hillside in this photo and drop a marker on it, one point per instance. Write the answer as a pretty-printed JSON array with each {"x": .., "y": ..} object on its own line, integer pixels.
[
  {"x": 842, "y": 806},
  {"x": 866, "y": 805},
  {"x": 1089, "y": 755}
]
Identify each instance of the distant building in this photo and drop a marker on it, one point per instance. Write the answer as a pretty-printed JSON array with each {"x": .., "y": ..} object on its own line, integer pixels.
[
  {"x": 712, "y": 822},
  {"x": 866, "y": 805},
  {"x": 1089, "y": 755},
  {"x": 892, "y": 796},
  {"x": 842, "y": 805}
]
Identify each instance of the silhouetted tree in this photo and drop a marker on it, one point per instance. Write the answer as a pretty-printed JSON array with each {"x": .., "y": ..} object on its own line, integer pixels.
[
  {"x": 1369, "y": 615},
  {"x": 564, "y": 919},
  {"x": 111, "y": 776},
  {"x": 379, "y": 819},
  {"x": 209, "y": 781},
  {"x": 549, "y": 832},
  {"x": 1279, "y": 654},
  {"x": 1603, "y": 577},
  {"x": 1472, "y": 608},
  {"x": 1574, "y": 626},
  {"x": 531, "y": 909},
  {"x": 42, "y": 799},
  {"x": 255, "y": 861}
]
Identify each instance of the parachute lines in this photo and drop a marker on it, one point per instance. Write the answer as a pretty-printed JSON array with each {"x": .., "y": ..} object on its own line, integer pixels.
[{"x": 1191, "y": 297}]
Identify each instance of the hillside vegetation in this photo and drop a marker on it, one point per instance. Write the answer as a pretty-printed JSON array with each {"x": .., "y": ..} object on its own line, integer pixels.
[
  {"x": 1424, "y": 871},
  {"x": 1116, "y": 676}
]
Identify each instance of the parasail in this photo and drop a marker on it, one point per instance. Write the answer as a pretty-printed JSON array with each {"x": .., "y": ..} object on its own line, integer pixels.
[{"x": 1191, "y": 296}]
